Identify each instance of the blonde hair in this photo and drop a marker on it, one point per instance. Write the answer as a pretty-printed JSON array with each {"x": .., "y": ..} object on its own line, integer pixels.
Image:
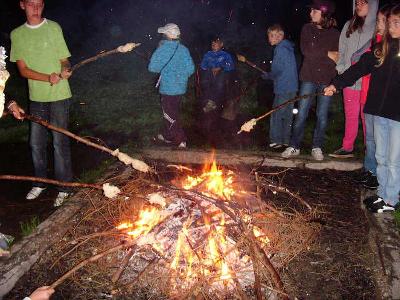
[
  {"x": 276, "y": 27},
  {"x": 382, "y": 49}
]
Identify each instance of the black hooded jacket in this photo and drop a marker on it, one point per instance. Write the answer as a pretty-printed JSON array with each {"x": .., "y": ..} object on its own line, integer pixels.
[{"x": 383, "y": 98}]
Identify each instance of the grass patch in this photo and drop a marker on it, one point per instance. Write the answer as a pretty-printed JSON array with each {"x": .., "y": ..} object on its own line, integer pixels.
[
  {"x": 397, "y": 218},
  {"x": 29, "y": 226}
]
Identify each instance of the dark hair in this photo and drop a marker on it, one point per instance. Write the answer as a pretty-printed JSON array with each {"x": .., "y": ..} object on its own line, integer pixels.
[
  {"x": 356, "y": 22},
  {"x": 327, "y": 21}
]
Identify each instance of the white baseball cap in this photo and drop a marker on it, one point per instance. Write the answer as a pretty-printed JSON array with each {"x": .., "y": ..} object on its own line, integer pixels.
[{"x": 171, "y": 30}]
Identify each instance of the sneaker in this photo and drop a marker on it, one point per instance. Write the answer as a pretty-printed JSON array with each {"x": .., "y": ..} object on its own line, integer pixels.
[
  {"x": 371, "y": 182},
  {"x": 369, "y": 200},
  {"x": 362, "y": 176},
  {"x": 341, "y": 153},
  {"x": 34, "y": 193},
  {"x": 61, "y": 197},
  {"x": 380, "y": 206},
  {"x": 276, "y": 147},
  {"x": 161, "y": 138},
  {"x": 289, "y": 152},
  {"x": 182, "y": 145},
  {"x": 317, "y": 154}
]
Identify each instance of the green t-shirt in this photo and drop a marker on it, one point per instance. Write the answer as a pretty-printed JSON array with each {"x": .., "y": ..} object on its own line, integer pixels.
[{"x": 41, "y": 48}]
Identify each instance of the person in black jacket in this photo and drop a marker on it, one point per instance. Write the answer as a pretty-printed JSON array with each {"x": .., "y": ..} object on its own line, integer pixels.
[{"x": 383, "y": 103}]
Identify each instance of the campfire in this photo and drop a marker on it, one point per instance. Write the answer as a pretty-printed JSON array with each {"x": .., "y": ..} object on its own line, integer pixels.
[{"x": 206, "y": 236}]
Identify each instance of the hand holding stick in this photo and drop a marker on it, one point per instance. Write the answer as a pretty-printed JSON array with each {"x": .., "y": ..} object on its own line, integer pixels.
[
  {"x": 248, "y": 126},
  {"x": 243, "y": 59}
]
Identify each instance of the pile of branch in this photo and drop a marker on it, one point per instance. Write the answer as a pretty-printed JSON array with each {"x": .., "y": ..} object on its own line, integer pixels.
[{"x": 96, "y": 260}]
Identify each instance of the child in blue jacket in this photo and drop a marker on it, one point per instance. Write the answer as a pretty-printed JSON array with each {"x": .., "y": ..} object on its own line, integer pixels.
[
  {"x": 284, "y": 75},
  {"x": 173, "y": 62}
]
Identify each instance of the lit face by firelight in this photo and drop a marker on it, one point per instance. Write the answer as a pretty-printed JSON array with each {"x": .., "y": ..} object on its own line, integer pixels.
[
  {"x": 394, "y": 26},
  {"x": 33, "y": 10},
  {"x": 275, "y": 37},
  {"x": 380, "y": 24},
  {"x": 216, "y": 45},
  {"x": 315, "y": 15},
  {"x": 361, "y": 8}
]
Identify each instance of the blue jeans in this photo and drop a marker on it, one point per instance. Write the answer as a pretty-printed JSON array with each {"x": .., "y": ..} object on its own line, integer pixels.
[
  {"x": 57, "y": 114},
  {"x": 280, "y": 125},
  {"x": 387, "y": 140},
  {"x": 369, "y": 159},
  {"x": 304, "y": 107}
]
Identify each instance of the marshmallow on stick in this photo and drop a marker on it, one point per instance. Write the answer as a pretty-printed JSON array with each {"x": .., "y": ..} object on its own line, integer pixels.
[{"x": 3, "y": 78}]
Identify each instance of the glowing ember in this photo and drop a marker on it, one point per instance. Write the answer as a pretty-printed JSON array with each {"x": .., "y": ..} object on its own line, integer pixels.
[{"x": 214, "y": 183}]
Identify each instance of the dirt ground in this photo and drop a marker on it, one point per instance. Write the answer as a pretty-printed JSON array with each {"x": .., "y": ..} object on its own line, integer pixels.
[{"x": 336, "y": 266}]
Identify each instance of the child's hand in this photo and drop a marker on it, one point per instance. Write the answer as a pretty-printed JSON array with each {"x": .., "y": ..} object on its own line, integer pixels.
[
  {"x": 334, "y": 55},
  {"x": 66, "y": 73},
  {"x": 54, "y": 78},
  {"x": 215, "y": 71},
  {"x": 329, "y": 90},
  {"x": 42, "y": 293},
  {"x": 17, "y": 111}
]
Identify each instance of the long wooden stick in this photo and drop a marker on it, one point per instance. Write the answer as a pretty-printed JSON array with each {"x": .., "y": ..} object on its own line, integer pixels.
[
  {"x": 67, "y": 133},
  {"x": 100, "y": 55},
  {"x": 253, "y": 122},
  {"x": 51, "y": 181}
]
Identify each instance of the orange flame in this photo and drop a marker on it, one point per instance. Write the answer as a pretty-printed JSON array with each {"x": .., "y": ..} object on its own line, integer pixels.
[
  {"x": 147, "y": 219},
  {"x": 214, "y": 182}
]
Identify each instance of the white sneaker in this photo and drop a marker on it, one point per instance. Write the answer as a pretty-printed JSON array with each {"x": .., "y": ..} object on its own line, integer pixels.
[
  {"x": 317, "y": 154},
  {"x": 34, "y": 193},
  {"x": 182, "y": 145},
  {"x": 161, "y": 138},
  {"x": 61, "y": 197},
  {"x": 289, "y": 152}
]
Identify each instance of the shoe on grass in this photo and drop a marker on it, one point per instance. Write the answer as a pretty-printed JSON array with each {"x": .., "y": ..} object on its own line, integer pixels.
[
  {"x": 276, "y": 147},
  {"x": 317, "y": 154},
  {"x": 342, "y": 153},
  {"x": 371, "y": 182},
  {"x": 290, "y": 152},
  {"x": 61, "y": 197},
  {"x": 34, "y": 193},
  {"x": 380, "y": 206}
]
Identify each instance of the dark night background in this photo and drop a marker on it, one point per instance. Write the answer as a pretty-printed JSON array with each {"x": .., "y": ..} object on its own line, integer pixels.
[{"x": 90, "y": 26}]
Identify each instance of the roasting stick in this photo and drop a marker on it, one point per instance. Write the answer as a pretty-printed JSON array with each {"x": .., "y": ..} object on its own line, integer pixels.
[
  {"x": 243, "y": 59},
  {"x": 248, "y": 126},
  {"x": 125, "y": 158},
  {"x": 121, "y": 49}
]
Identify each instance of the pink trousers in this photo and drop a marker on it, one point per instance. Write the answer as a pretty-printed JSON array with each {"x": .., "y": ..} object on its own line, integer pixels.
[{"x": 353, "y": 110}]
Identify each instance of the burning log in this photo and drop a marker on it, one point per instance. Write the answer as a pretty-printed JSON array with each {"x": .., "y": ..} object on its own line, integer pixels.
[
  {"x": 248, "y": 126},
  {"x": 123, "y": 157}
]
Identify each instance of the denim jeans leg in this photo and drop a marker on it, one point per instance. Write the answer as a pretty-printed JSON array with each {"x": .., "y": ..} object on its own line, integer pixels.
[
  {"x": 59, "y": 116},
  {"x": 381, "y": 142},
  {"x": 38, "y": 140},
  {"x": 393, "y": 163},
  {"x": 301, "y": 117},
  {"x": 287, "y": 118},
  {"x": 275, "y": 128},
  {"x": 369, "y": 158},
  {"x": 323, "y": 103}
]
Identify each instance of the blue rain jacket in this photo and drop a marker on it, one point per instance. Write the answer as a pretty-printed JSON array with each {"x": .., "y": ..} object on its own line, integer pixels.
[{"x": 219, "y": 59}]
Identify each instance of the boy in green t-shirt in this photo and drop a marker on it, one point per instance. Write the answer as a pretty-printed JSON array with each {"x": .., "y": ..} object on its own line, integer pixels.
[{"x": 39, "y": 49}]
